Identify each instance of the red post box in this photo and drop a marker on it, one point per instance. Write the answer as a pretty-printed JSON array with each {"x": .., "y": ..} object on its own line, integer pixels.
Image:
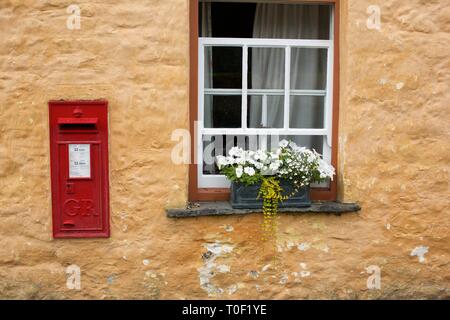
[{"x": 79, "y": 168}]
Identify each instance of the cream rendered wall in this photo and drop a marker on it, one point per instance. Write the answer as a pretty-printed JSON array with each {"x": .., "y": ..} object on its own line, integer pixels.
[{"x": 393, "y": 156}]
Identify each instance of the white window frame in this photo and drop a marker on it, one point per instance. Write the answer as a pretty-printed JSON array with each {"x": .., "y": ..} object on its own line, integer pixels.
[{"x": 220, "y": 181}]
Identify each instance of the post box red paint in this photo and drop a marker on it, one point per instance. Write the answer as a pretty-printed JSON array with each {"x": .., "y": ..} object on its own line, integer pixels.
[{"x": 79, "y": 168}]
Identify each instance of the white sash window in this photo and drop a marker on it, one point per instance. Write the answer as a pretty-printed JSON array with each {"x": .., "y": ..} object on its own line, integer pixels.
[{"x": 256, "y": 91}]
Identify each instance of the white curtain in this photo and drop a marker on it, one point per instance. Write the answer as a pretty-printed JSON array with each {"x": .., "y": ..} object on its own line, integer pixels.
[
  {"x": 209, "y": 145},
  {"x": 206, "y": 31},
  {"x": 288, "y": 22}
]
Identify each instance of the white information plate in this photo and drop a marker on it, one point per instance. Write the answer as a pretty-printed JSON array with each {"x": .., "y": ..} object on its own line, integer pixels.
[{"x": 79, "y": 160}]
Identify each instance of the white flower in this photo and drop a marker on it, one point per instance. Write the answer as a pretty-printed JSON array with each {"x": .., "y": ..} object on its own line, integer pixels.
[
  {"x": 283, "y": 143},
  {"x": 240, "y": 160},
  {"x": 293, "y": 145},
  {"x": 265, "y": 171},
  {"x": 258, "y": 165},
  {"x": 239, "y": 172},
  {"x": 275, "y": 165},
  {"x": 326, "y": 170},
  {"x": 250, "y": 171},
  {"x": 230, "y": 160},
  {"x": 260, "y": 155},
  {"x": 221, "y": 161},
  {"x": 236, "y": 152}
]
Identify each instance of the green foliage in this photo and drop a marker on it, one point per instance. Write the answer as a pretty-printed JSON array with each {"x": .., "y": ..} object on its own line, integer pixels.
[
  {"x": 297, "y": 165},
  {"x": 230, "y": 173},
  {"x": 272, "y": 194}
]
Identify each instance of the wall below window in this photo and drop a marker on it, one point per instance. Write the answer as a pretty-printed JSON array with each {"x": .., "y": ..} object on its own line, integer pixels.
[{"x": 393, "y": 160}]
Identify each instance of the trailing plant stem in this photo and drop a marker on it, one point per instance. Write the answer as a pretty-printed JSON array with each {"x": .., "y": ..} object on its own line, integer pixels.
[{"x": 272, "y": 194}]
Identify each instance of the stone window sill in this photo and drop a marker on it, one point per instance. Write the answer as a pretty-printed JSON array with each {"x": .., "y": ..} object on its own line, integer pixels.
[{"x": 224, "y": 208}]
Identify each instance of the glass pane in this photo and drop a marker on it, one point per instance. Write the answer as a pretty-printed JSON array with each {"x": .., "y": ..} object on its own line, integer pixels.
[
  {"x": 308, "y": 68},
  {"x": 307, "y": 112},
  {"x": 221, "y": 144},
  {"x": 222, "y": 111},
  {"x": 223, "y": 67},
  {"x": 250, "y": 20},
  {"x": 270, "y": 116},
  {"x": 310, "y": 142},
  {"x": 266, "y": 68},
  {"x": 292, "y": 21}
]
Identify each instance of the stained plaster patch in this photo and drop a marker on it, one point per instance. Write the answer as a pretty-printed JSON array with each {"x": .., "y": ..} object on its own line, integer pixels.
[
  {"x": 284, "y": 278},
  {"x": 266, "y": 267},
  {"x": 207, "y": 271},
  {"x": 145, "y": 262},
  {"x": 228, "y": 228},
  {"x": 232, "y": 289},
  {"x": 420, "y": 252},
  {"x": 303, "y": 273},
  {"x": 304, "y": 246}
]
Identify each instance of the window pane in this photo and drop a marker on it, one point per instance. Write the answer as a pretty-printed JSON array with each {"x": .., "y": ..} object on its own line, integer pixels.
[
  {"x": 222, "y": 111},
  {"x": 271, "y": 141},
  {"x": 264, "y": 20},
  {"x": 292, "y": 21},
  {"x": 223, "y": 67},
  {"x": 308, "y": 68},
  {"x": 270, "y": 116},
  {"x": 310, "y": 142},
  {"x": 266, "y": 68},
  {"x": 306, "y": 112}
]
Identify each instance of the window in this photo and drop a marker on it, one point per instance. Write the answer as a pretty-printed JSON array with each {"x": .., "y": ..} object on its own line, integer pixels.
[{"x": 265, "y": 72}]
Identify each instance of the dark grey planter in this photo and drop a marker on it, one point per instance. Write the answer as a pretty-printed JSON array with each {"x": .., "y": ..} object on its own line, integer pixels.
[{"x": 245, "y": 197}]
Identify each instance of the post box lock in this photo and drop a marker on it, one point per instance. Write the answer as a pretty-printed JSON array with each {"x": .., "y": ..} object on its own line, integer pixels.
[
  {"x": 79, "y": 168},
  {"x": 70, "y": 188}
]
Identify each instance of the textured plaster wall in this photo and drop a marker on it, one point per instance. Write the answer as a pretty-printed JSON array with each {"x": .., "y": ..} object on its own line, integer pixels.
[{"x": 393, "y": 160}]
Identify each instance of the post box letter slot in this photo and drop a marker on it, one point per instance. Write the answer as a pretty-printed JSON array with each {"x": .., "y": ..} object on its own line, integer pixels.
[
  {"x": 77, "y": 123},
  {"x": 69, "y": 223}
]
